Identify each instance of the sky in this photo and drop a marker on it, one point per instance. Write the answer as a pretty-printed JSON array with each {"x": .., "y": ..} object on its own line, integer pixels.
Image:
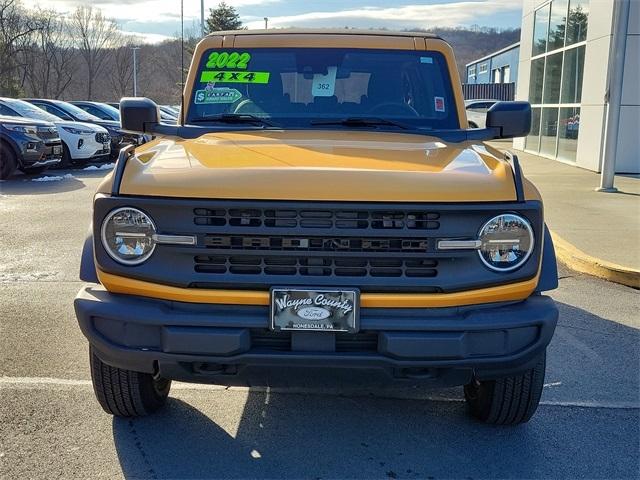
[{"x": 155, "y": 20}]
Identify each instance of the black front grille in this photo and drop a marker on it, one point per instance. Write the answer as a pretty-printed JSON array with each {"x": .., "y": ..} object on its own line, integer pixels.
[
  {"x": 47, "y": 133},
  {"x": 316, "y": 218},
  {"x": 315, "y": 244},
  {"x": 315, "y": 266},
  {"x": 102, "y": 137},
  {"x": 263, "y": 339},
  {"x": 373, "y": 247}
]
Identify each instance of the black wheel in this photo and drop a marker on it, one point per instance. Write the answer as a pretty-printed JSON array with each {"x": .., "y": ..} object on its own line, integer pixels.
[
  {"x": 65, "y": 161},
  {"x": 125, "y": 393},
  {"x": 8, "y": 163},
  {"x": 507, "y": 401}
]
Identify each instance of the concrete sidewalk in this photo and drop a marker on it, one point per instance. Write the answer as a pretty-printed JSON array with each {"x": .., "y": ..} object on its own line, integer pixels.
[{"x": 588, "y": 226}]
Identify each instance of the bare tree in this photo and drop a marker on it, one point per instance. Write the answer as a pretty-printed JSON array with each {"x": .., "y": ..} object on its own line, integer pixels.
[
  {"x": 95, "y": 36},
  {"x": 49, "y": 63},
  {"x": 16, "y": 27},
  {"x": 121, "y": 71}
]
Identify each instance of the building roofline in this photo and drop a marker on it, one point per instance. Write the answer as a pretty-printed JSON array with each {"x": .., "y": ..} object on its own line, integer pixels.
[{"x": 497, "y": 52}]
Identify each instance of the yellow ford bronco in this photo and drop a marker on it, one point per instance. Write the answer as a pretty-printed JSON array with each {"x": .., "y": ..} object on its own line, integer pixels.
[{"x": 321, "y": 211}]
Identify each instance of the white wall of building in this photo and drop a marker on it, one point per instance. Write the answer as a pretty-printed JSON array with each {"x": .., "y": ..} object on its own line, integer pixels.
[{"x": 593, "y": 106}]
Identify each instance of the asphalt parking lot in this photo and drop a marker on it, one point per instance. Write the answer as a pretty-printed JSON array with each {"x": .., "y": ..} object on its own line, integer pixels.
[{"x": 588, "y": 425}]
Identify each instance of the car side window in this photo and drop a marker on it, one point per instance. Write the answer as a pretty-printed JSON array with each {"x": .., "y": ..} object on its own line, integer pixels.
[
  {"x": 95, "y": 111},
  {"x": 7, "y": 111},
  {"x": 55, "y": 111}
]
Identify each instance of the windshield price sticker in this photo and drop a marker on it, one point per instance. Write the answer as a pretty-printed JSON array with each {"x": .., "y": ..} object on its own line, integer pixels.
[
  {"x": 234, "y": 77},
  {"x": 228, "y": 60},
  {"x": 324, "y": 85},
  {"x": 217, "y": 95}
]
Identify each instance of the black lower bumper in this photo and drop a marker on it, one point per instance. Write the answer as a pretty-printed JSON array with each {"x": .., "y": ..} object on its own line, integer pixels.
[{"x": 218, "y": 343}]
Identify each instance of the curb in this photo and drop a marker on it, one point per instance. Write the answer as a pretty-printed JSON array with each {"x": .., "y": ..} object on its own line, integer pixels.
[{"x": 579, "y": 261}]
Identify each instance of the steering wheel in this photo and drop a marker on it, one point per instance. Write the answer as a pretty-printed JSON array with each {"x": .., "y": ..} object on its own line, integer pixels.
[{"x": 393, "y": 108}]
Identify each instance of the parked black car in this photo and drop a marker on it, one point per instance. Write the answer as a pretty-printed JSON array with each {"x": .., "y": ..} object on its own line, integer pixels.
[
  {"x": 27, "y": 145},
  {"x": 67, "y": 111},
  {"x": 101, "y": 110}
]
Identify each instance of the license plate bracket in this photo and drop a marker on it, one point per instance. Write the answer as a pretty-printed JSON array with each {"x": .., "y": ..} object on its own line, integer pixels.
[{"x": 315, "y": 309}]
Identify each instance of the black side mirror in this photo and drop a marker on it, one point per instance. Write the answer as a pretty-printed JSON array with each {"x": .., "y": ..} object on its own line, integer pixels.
[
  {"x": 138, "y": 115},
  {"x": 511, "y": 119}
]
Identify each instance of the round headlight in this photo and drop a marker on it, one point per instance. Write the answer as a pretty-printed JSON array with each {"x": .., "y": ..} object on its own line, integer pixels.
[
  {"x": 507, "y": 242},
  {"x": 127, "y": 235}
]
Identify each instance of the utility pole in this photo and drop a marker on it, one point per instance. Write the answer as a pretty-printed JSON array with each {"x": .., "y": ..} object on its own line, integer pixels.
[
  {"x": 266, "y": 22},
  {"x": 202, "y": 18},
  {"x": 614, "y": 94},
  {"x": 135, "y": 71}
]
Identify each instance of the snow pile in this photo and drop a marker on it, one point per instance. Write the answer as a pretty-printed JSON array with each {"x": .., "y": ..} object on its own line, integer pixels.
[
  {"x": 105, "y": 166},
  {"x": 55, "y": 178}
]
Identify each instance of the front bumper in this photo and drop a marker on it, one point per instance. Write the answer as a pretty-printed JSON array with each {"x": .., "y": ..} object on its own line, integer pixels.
[{"x": 218, "y": 343}]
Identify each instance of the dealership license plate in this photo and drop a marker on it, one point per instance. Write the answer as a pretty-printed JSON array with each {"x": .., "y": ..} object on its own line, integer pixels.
[{"x": 323, "y": 310}]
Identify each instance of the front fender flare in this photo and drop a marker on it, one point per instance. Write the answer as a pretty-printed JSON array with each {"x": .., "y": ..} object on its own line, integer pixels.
[
  {"x": 548, "y": 279},
  {"x": 87, "y": 262}
]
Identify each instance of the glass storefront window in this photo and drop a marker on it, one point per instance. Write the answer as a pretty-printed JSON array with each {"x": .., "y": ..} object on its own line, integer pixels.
[
  {"x": 568, "y": 128},
  {"x": 557, "y": 24},
  {"x": 540, "y": 29},
  {"x": 548, "y": 131},
  {"x": 537, "y": 76},
  {"x": 555, "y": 86},
  {"x": 533, "y": 139},
  {"x": 552, "y": 76},
  {"x": 572, "y": 75},
  {"x": 577, "y": 21}
]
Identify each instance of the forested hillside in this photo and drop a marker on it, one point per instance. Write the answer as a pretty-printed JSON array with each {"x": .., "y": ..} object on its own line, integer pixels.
[{"x": 474, "y": 43}]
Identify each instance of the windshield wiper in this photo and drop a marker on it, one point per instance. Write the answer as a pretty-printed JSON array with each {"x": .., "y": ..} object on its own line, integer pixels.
[
  {"x": 362, "y": 122},
  {"x": 235, "y": 118}
]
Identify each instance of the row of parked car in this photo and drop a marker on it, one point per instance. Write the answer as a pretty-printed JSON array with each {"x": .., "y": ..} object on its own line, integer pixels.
[{"x": 36, "y": 134}]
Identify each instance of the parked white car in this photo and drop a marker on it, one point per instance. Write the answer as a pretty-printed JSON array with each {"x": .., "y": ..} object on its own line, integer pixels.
[
  {"x": 81, "y": 142},
  {"x": 477, "y": 111}
]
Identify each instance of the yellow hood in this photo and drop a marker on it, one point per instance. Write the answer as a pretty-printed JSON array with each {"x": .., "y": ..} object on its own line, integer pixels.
[{"x": 319, "y": 165}]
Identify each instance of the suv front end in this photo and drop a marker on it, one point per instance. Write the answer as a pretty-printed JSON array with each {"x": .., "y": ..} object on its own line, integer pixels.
[{"x": 244, "y": 252}]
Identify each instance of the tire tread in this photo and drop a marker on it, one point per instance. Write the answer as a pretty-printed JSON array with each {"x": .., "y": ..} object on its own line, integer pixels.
[{"x": 124, "y": 393}]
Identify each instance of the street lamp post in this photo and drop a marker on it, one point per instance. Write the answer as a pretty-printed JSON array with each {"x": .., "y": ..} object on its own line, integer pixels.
[
  {"x": 135, "y": 71},
  {"x": 266, "y": 22},
  {"x": 202, "y": 18}
]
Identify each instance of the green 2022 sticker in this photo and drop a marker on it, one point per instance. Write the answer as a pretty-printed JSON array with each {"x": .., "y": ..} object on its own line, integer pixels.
[{"x": 228, "y": 60}]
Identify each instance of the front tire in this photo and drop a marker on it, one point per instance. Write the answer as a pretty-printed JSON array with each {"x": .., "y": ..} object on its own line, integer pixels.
[
  {"x": 125, "y": 393},
  {"x": 8, "y": 163},
  {"x": 509, "y": 400}
]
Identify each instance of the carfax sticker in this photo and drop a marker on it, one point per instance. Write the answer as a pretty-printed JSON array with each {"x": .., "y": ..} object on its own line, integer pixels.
[
  {"x": 438, "y": 104},
  {"x": 324, "y": 85},
  {"x": 217, "y": 95}
]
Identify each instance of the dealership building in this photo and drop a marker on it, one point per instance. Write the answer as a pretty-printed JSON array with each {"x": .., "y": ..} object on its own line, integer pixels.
[{"x": 567, "y": 72}]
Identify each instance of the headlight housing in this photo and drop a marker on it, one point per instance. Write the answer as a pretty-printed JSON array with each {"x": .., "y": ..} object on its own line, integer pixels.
[
  {"x": 30, "y": 129},
  {"x": 128, "y": 235},
  {"x": 77, "y": 131},
  {"x": 506, "y": 242}
]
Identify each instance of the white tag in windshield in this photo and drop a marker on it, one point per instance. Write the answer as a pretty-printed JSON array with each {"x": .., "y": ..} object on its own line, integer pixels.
[{"x": 324, "y": 85}]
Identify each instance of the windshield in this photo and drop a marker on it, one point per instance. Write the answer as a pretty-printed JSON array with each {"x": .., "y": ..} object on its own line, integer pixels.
[
  {"x": 112, "y": 111},
  {"x": 77, "y": 112},
  {"x": 28, "y": 110},
  {"x": 296, "y": 86}
]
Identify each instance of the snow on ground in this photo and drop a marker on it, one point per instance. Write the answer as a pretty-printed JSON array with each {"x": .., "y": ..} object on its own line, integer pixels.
[
  {"x": 105, "y": 166},
  {"x": 55, "y": 178}
]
